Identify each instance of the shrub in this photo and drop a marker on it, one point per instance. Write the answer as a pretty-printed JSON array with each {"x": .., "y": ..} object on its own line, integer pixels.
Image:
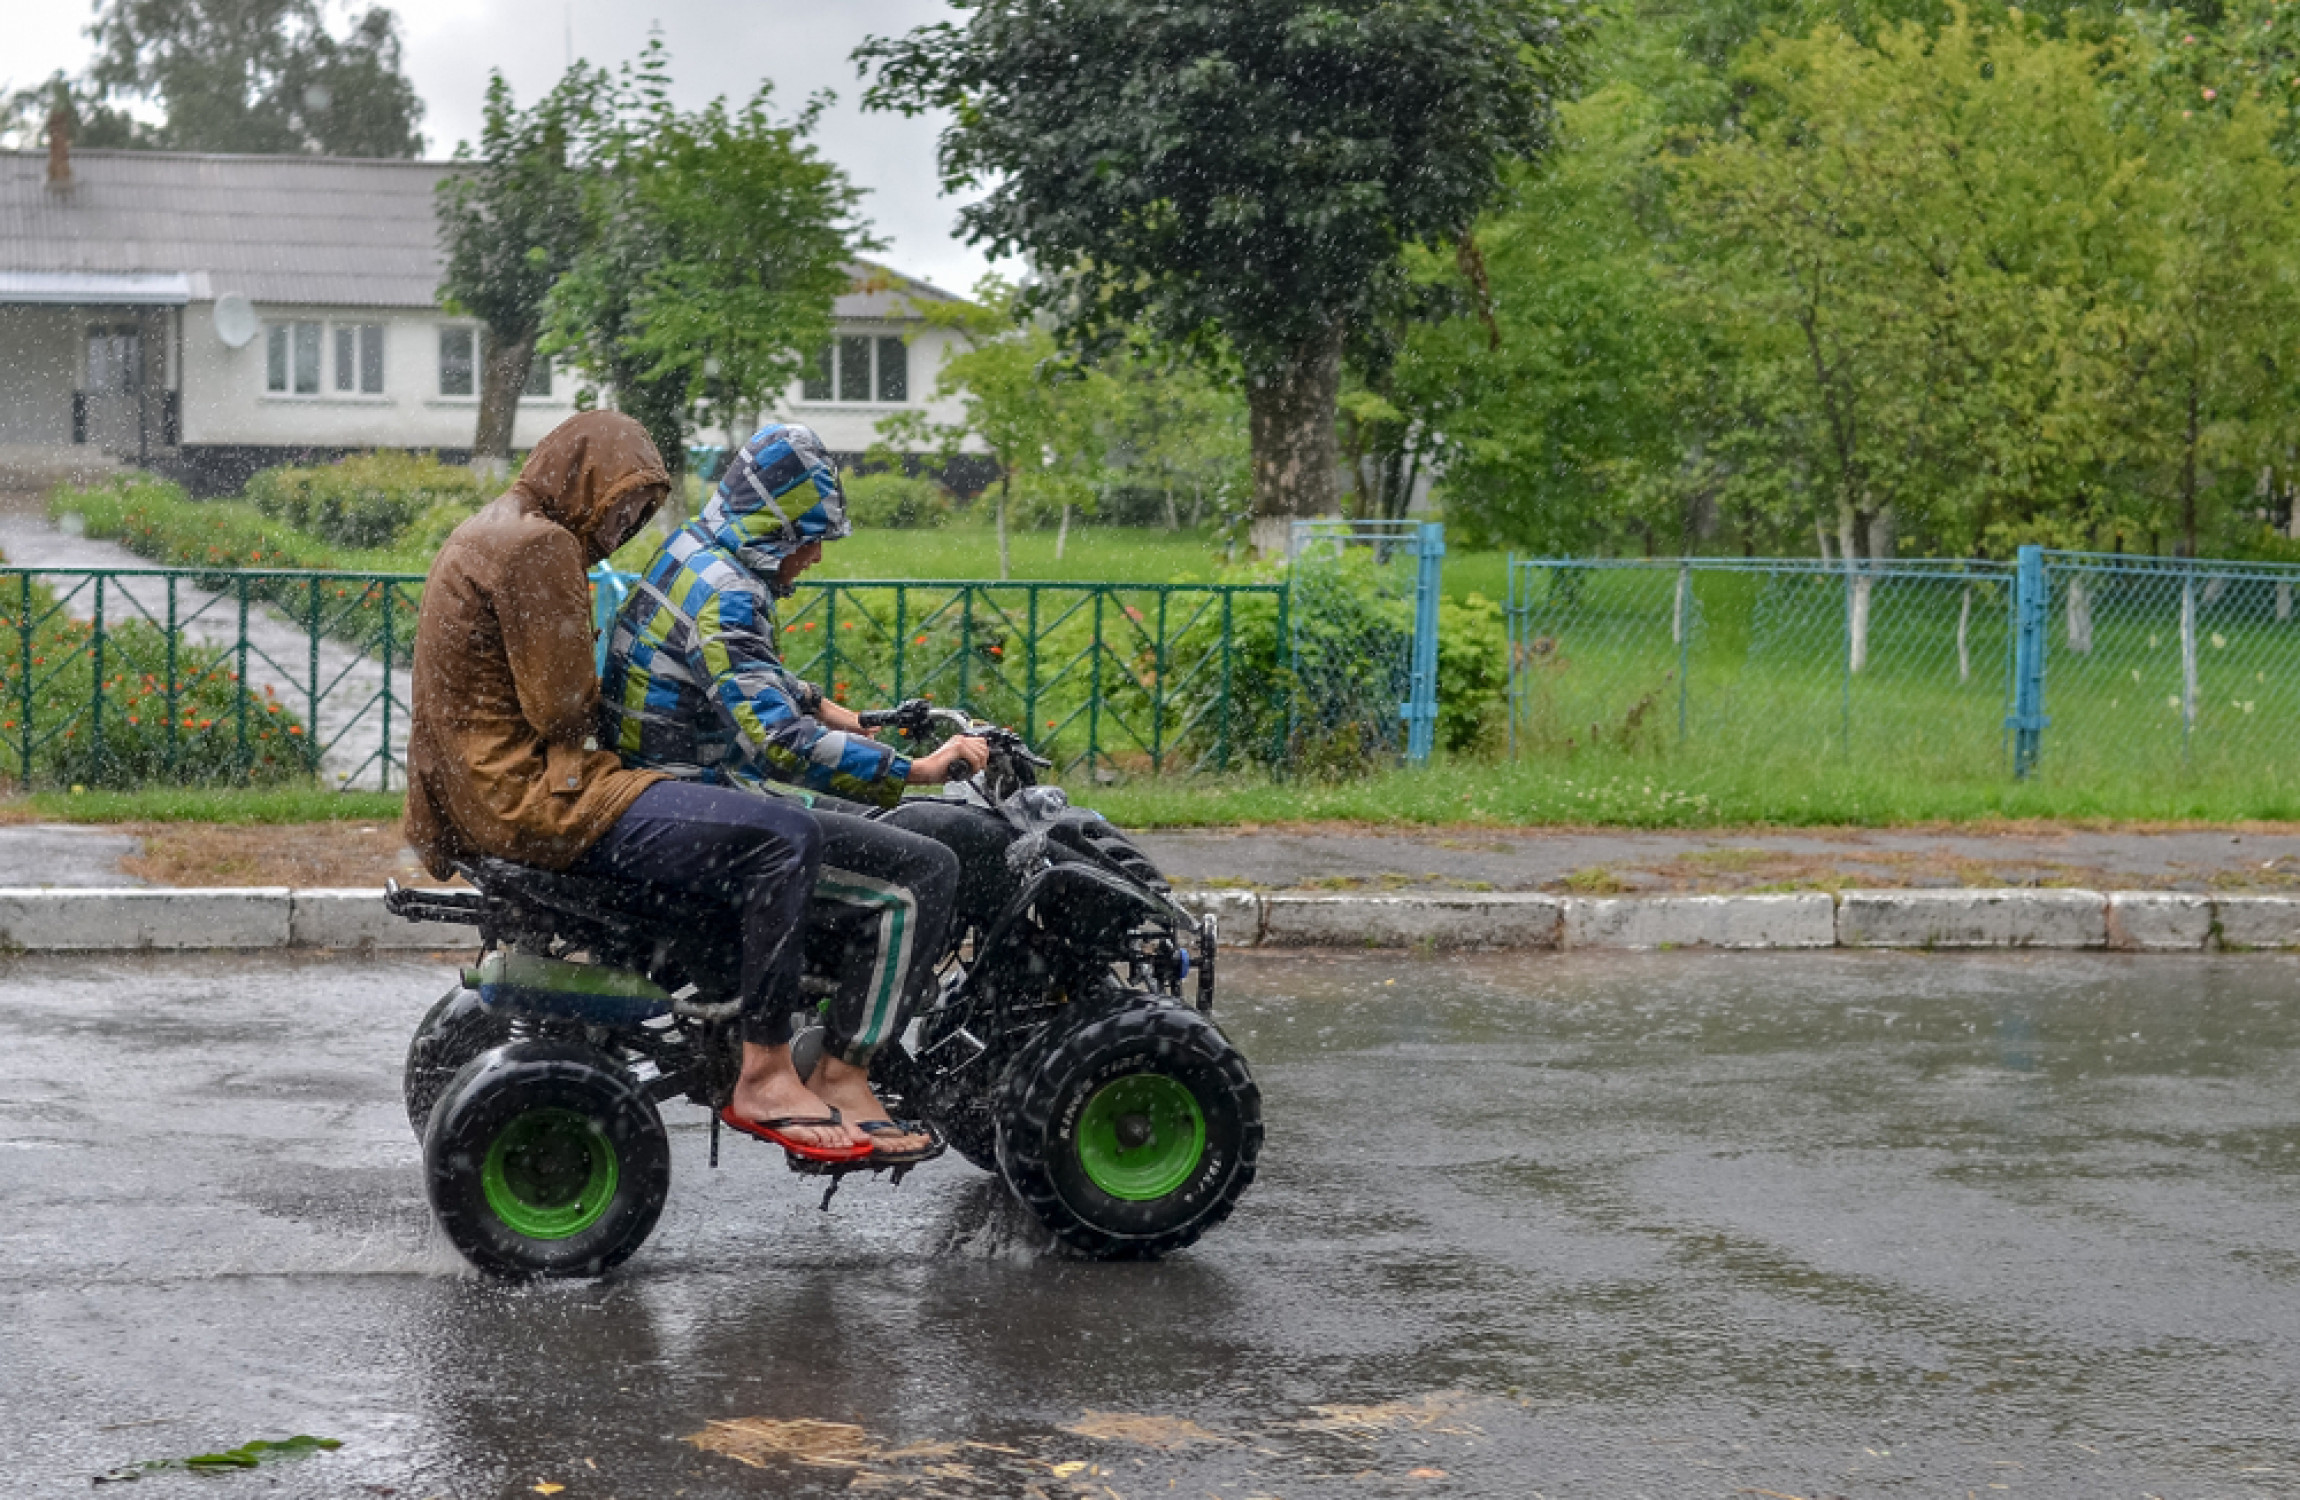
[
  {"x": 199, "y": 743},
  {"x": 1325, "y": 703},
  {"x": 367, "y": 500},
  {"x": 158, "y": 520},
  {"x": 1473, "y": 674},
  {"x": 897, "y": 502}
]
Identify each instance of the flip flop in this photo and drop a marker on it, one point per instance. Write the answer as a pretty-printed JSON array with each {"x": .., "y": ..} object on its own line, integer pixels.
[
  {"x": 881, "y": 1157},
  {"x": 771, "y": 1131}
]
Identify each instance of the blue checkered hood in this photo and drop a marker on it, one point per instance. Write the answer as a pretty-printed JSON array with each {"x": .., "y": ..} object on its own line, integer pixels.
[{"x": 781, "y": 492}]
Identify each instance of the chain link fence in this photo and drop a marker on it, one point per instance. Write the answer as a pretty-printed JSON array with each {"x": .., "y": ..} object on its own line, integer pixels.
[
  {"x": 1361, "y": 644},
  {"x": 2077, "y": 664}
]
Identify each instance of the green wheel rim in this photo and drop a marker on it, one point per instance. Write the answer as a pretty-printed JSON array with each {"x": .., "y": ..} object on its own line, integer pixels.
[
  {"x": 550, "y": 1174},
  {"x": 1141, "y": 1136}
]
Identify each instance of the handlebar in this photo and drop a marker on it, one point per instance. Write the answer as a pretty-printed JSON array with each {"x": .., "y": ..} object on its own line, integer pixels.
[{"x": 916, "y": 716}]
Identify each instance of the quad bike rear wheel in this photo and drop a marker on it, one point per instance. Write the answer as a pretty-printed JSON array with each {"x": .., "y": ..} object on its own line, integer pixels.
[
  {"x": 1132, "y": 1133},
  {"x": 455, "y": 1030},
  {"x": 544, "y": 1158}
]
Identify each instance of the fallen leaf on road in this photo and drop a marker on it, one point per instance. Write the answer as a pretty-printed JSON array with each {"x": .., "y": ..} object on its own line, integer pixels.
[
  {"x": 1064, "y": 1471},
  {"x": 546, "y": 1487},
  {"x": 759, "y": 1441},
  {"x": 1429, "y": 1414},
  {"x": 1150, "y": 1432},
  {"x": 1425, "y": 1473}
]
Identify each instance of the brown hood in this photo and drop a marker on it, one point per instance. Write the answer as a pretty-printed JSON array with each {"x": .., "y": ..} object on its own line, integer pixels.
[{"x": 583, "y": 467}]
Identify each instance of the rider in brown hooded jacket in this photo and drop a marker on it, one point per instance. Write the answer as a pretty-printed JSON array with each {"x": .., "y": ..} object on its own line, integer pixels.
[{"x": 503, "y": 756}]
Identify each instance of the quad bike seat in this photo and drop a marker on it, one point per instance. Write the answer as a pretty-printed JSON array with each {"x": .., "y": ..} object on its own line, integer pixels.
[{"x": 588, "y": 898}]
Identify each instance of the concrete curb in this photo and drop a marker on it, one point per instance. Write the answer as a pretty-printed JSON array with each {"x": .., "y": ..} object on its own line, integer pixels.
[{"x": 96, "y": 920}]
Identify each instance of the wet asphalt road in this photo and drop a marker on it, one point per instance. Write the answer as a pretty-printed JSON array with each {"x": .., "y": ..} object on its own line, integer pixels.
[{"x": 1670, "y": 1225}]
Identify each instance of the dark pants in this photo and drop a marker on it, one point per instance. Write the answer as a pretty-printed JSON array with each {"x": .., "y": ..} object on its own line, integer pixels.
[
  {"x": 980, "y": 839},
  {"x": 883, "y": 898},
  {"x": 753, "y": 853}
]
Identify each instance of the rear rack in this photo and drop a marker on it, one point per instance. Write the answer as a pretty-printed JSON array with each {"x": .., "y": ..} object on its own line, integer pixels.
[{"x": 463, "y": 908}]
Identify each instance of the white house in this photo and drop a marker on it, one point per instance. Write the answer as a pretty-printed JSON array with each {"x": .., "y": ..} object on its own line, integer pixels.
[{"x": 208, "y": 316}]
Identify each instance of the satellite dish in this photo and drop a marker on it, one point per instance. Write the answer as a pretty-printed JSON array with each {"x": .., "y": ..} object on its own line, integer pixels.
[{"x": 235, "y": 320}]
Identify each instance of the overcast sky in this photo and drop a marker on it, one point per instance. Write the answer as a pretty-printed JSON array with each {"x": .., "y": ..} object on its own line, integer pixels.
[{"x": 717, "y": 47}]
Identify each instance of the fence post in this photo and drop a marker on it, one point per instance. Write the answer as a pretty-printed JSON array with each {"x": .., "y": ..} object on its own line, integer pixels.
[
  {"x": 2187, "y": 658},
  {"x": 1510, "y": 631},
  {"x": 24, "y": 683},
  {"x": 383, "y": 761},
  {"x": 2031, "y": 605},
  {"x": 1421, "y": 706},
  {"x": 96, "y": 684},
  {"x": 1684, "y": 631}
]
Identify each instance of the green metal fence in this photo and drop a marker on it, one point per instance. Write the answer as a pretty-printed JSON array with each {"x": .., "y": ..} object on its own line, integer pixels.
[
  {"x": 305, "y": 673},
  {"x": 1105, "y": 678},
  {"x": 2079, "y": 665},
  {"x": 116, "y": 676}
]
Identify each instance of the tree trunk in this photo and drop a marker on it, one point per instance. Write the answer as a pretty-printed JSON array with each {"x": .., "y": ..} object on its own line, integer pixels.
[
  {"x": 1290, "y": 410},
  {"x": 1173, "y": 517},
  {"x": 1062, "y": 533},
  {"x": 1005, "y": 560},
  {"x": 502, "y": 376}
]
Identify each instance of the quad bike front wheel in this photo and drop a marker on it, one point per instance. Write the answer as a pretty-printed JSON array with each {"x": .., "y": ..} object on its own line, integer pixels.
[
  {"x": 1133, "y": 1133},
  {"x": 545, "y": 1159},
  {"x": 455, "y": 1030}
]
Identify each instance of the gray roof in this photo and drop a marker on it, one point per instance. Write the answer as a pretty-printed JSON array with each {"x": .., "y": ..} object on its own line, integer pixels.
[
  {"x": 329, "y": 231},
  {"x": 294, "y": 229}
]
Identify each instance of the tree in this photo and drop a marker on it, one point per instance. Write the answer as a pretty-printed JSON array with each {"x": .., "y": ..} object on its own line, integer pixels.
[
  {"x": 1042, "y": 419},
  {"x": 714, "y": 245},
  {"x": 250, "y": 75},
  {"x": 510, "y": 225},
  {"x": 1248, "y": 171}
]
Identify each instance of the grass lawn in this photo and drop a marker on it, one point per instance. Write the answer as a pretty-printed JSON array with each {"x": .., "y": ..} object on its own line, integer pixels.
[
  {"x": 291, "y": 804},
  {"x": 1592, "y": 790},
  {"x": 968, "y": 549}
]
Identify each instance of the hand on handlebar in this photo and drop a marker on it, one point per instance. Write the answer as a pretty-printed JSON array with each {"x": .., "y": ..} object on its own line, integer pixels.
[{"x": 955, "y": 760}]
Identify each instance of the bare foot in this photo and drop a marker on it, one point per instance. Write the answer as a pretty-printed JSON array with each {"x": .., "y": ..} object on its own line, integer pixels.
[
  {"x": 769, "y": 1088},
  {"x": 847, "y": 1087}
]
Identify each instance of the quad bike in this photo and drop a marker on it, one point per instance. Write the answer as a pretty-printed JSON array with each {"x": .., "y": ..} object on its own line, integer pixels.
[{"x": 1059, "y": 1051}]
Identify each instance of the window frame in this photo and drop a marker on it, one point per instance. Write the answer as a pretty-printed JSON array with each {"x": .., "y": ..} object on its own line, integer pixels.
[
  {"x": 473, "y": 356},
  {"x": 364, "y": 343},
  {"x": 823, "y": 380},
  {"x": 280, "y": 337},
  {"x": 283, "y": 358}
]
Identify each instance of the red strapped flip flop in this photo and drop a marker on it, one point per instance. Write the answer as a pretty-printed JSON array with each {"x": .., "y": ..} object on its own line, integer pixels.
[{"x": 771, "y": 1131}]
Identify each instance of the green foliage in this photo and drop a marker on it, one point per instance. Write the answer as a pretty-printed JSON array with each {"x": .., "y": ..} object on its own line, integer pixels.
[
  {"x": 1232, "y": 174},
  {"x": 155, "y": 519},
  {"x": 161, "y": 715},
  {"x": 1473, "y": 674},
  {"x": 510, "y": 225},
  {"x": 1905, "y": 276},
  {"x": 261, "y": 76},
  {"x": 895, "y": 502},
  {"x": 367, "y": 500},
  {"x": 713, "y": 245}
]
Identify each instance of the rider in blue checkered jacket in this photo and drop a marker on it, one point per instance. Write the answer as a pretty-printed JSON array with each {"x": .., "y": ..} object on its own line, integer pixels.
[{"x": 695, "y": 684}]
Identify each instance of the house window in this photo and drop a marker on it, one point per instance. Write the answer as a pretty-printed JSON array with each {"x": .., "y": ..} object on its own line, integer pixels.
[
  {"x": 458, "y": 361},
  {"x": 859, "y": 368},
  {"x": 854, "y": 369},
  {"x": 893, "y": 370},
  {"x": 291, "y": 359},
  {"x": 538, "y": 378},
  {"x": 359, "y": 358}
]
